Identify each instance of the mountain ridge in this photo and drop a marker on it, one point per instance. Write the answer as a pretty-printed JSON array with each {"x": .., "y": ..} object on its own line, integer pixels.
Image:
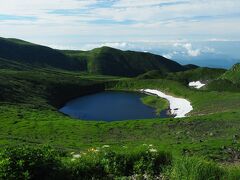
[
  {"x": 130, "y": 63},
  {"x": 104, "y": 60}
]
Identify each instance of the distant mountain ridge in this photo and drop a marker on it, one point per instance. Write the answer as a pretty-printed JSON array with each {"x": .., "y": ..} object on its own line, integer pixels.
[
  {"x": 104, "y": 60},
  {"x": 110, "y": 61}
]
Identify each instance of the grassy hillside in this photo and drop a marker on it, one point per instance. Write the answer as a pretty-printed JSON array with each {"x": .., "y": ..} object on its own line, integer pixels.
[
  {"x": 228, "y": 81},
  {"x": 233, "y": 74},
  {"x": 154, "y": 74},
  {"x": 110, "y": 61},
  {"x": 44, "y": 88},
  {"x": 184, "y": 77},
  {"x": 13, "y": 65},
  {"x": 185, "y": 148},
  {"x": 29, "y": 116},
  {"x": 105, "y": 60},
  {"x": 202, "y": 74},
  {"x": 223, "y": 85},
  {"x": 35, "y": 55}
]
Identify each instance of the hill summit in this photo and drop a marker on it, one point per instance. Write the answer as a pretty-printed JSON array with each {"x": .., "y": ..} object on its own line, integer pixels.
[{"x": 110, "y": 61}]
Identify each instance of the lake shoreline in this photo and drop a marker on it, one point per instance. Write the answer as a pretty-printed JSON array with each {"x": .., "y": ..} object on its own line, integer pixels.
[
  {"x": 111, "y": 106},
  {"x": 178, "y": 106}
]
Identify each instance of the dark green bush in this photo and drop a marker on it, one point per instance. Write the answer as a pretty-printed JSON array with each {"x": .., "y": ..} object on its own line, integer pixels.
[
  {"x": 146, "y": 162},
  {"x": 111, "y": 164},
  {"x": 86, "y": 167},
  {"x": 29, "y": 163},
  {"x": 151, "y": 163},
  {"x": 139, "y": 162}
]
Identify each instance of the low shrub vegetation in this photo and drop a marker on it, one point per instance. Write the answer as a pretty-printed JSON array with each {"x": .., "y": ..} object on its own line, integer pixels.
[
  {"x": 29, "y": 163},
  {"x": 143, "y": 162},
  {"x": 47, "y": 163}
]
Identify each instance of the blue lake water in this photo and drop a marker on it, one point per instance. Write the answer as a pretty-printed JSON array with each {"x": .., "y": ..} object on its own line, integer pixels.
[{"x": 110, "y": 106}]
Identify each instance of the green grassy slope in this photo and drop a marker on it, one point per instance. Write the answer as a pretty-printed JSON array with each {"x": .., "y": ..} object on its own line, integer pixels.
[
  {"x": 233, "y": 74},
  {"x": 43, "y": 87},
  {"x": 36, "y": 55},
  {"x": 28, "y": 115},
  {"x": 209, "y": 136},
  {"x": 154, "y": 74},
  {"x": 13, "y": 65},
  {"x": 228, "y": 81},
  {"x": 110, "y": 61},
  {"x": 30, "y": 97},
  {"x": 105, "y": 60},
  {"x": 29, "y": 101},
  {"x": 195, "y": 74}
]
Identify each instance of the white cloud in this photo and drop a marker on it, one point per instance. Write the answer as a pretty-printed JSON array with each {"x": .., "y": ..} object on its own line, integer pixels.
[
  {"x": 221, "y": 40},
  {"x": 168, "y": 56},
  {"x": 128, "y": 20},
  {"x": 171, "y": 55},
  {"x": 190, "y": 51},
  {"x": 118, "y": 45},
  {"x": 39, "y": 7},
  {"x": 137, "y": 3}
]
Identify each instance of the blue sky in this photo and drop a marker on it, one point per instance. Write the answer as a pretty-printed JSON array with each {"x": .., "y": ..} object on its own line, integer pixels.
[{"x": 83, "y": 24}]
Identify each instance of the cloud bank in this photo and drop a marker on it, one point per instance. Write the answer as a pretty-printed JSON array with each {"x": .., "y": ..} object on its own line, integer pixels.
[{"x": 119, "y": 20}]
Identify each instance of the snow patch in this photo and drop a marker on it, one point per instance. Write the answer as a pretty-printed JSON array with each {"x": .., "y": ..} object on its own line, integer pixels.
[
  {"x": 178, "y": 106},
  {"x": 196, "y": 84}
]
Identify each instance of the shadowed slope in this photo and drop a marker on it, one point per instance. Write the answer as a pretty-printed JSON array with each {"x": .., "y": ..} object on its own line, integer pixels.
[{"x": 36, "y": 55}]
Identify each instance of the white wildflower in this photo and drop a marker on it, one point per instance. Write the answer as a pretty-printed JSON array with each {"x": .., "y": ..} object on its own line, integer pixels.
[
  {"x": 76, "y": 156},
  {"x": 105, "y": 146},
  {"x": 152, "y": 150}
]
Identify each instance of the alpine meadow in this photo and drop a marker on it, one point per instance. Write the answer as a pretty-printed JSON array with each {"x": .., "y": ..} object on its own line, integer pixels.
[{"x": 85, "y": 104}]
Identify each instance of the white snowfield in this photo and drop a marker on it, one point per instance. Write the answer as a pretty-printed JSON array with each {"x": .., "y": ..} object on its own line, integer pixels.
[
  {"x": 196, "y": 84},
  {"x": 178, "y": 106}
]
